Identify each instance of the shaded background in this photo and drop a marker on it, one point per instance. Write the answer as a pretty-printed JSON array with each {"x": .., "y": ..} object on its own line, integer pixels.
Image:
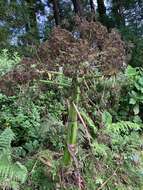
[{"x": 26, "y": 23}]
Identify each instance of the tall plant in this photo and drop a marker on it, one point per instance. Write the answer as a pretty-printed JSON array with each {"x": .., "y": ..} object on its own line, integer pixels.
[{"x": 78, "y": 54}]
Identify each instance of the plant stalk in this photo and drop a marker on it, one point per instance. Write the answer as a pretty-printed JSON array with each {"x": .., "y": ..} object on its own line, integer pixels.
[{"x": 72, "y": 123}]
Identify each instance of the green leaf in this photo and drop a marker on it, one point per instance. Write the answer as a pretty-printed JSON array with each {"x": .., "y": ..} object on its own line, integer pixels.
[
  {"x": 88, "y": 120},
  {"x": 132, "y": 101},
  {"x": 130, "y": 71},
  {"x": 106, "y": 117},
  {"x": 133, "y": 93},
  {"x": 141, "y": 90},
  {"x": 136, "y": 109},
  {"x": 141, "y": 81},
  {"x": 138, "y": 87}
]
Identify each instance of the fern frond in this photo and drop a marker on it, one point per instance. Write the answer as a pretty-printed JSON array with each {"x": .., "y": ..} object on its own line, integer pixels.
[
  {"x": 88, "y": 120},
  {"x": 6, "y": 185},
  {"x": 6, "y": 138},
  {"x": 11, "y": 174},
  {"x": 120, "y": 126},
  {"x": 123, "y": 126},
  {"x": 12, "y": 171}
]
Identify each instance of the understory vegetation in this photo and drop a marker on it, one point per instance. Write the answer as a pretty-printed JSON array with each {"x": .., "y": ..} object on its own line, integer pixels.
[
  {"x": 34, "y": 128},
  {"x": 71, "y": 95}
]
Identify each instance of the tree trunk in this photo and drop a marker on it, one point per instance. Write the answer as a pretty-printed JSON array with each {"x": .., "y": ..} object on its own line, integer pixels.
[
  {"x": 117, "y": 10},
  {"x": 31, "y": 25},
  {"x": 101, "y": 8},
  {"x": 92, "y": 6},
  {"x": 93, "y": 12},
  {"x": 103, "y": 17},
  {"x": 56, "y": 11},
  {"x": 78, "y": 7}
]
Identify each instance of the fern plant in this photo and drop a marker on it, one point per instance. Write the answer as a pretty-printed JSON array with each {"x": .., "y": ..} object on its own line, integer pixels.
[
  {"x": 6, "y": 63},
  {"x": 11, "y": 174},
  {"x": 121, "y": 126}
]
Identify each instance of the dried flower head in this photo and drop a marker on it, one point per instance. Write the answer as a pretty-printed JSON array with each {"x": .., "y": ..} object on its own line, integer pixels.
[{"x": 90, "y": 46}]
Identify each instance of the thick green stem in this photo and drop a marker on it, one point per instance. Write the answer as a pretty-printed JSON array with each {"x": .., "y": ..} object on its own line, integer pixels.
[{"x": 72, "y": 122}]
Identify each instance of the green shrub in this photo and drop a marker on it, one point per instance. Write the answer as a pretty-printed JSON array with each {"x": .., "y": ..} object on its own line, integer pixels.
[{"x": 7, "y": 62}]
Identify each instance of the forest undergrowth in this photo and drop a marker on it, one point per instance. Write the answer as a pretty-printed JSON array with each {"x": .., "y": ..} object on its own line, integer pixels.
[{"x": 71, "y": 115}]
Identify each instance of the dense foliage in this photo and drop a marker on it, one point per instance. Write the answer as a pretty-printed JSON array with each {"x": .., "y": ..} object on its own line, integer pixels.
[
  {"x": 112, "y": 111},
  {"x": 71, "y": 95}
]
